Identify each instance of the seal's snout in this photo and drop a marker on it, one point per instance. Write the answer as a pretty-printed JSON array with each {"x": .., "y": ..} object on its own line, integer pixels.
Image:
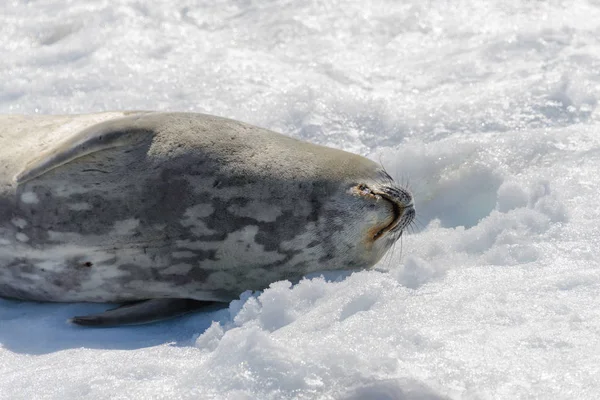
[
  {"x": 399, "y": 202},
  {"x": 406, "y": 218},
  {"x": 402, "y": 206}
]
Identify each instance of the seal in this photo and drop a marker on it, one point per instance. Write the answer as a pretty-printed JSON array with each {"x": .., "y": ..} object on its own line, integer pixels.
[{"x": 168, "y": 212}]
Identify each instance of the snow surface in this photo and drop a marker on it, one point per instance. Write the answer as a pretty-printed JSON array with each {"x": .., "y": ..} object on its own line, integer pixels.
[{"x": 487, "y": 109}]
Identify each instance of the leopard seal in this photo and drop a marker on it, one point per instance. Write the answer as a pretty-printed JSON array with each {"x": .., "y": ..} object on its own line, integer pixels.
[{"x": 167, "y": 212}]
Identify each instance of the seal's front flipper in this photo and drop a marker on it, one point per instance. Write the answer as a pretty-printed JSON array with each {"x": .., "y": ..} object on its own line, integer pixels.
[
  {"x": 127, "y": 131},
  {"x": 142, "y": 312}
]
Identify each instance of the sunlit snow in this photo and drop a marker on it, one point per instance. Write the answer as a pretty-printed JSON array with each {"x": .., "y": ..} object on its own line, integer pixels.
[{"x": 486, "y": 109}]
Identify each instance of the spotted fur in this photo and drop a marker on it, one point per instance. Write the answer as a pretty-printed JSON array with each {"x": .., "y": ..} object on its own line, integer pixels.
[{"x": 114, "y": 207}]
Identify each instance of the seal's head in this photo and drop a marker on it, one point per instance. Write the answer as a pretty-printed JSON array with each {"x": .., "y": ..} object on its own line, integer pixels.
[{"x": 377, "y": 210}]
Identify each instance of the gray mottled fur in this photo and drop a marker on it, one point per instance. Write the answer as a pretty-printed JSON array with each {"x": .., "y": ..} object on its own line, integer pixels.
[{"x": 115, "y": 207}]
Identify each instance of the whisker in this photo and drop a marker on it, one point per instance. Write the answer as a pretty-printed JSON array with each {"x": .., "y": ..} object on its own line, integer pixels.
[
  {"x": 401, "y": 240},
  {"x": 418, "y": 223},
  {"x": 389, "y": 256},
  {"x": 386, "y": 178},
  {"x": 414, "y": 227}
]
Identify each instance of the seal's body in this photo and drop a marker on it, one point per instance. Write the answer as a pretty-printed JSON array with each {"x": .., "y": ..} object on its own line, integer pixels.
[{"x": 179, "y": 207}]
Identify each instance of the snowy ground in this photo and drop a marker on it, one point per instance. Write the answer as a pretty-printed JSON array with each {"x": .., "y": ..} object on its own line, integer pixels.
[{"x": 487, "y": 108}]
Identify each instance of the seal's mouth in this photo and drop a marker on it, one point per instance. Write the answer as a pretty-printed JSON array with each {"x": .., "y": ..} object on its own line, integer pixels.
[{"x": 403, "y": 211}]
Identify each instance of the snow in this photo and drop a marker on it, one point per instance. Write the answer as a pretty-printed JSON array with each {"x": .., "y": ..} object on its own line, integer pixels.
[{"x": 487, "y": 110}]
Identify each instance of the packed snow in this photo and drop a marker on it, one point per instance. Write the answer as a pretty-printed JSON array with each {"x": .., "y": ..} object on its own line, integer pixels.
[{"x": 486, "y": 109}]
